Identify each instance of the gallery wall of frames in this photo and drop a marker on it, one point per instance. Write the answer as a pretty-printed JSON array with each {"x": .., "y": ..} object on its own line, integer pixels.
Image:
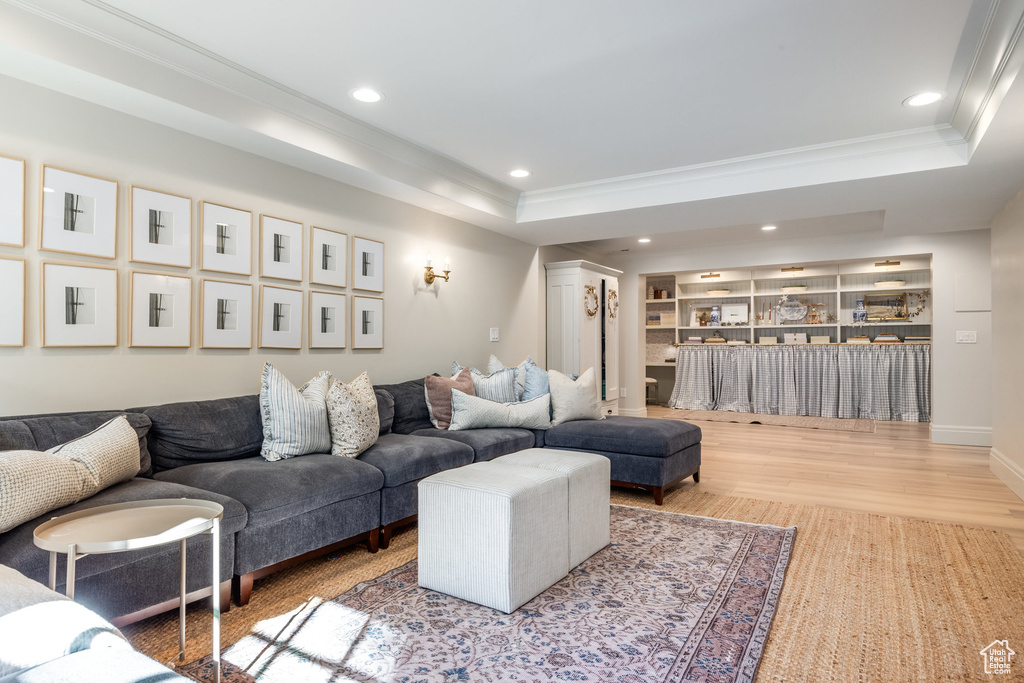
[{"x": 316, "y": 287}]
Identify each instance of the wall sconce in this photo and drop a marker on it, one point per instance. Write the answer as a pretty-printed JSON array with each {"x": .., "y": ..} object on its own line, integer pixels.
[{"x": 429, "y": 275}]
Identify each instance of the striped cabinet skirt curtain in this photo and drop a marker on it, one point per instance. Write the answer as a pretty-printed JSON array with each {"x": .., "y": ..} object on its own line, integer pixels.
[{"x": 890, "y": 382}]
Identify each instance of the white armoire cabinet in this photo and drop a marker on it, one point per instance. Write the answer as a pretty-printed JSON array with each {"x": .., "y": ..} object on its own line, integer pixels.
[{"x": 583, "y": 324}]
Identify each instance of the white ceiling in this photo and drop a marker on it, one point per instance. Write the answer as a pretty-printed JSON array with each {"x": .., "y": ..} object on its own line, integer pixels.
[{"x": 635, "y": 118}]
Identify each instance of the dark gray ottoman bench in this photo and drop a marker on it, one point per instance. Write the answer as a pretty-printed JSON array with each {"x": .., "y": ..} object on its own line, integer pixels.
[{"x": 646, "y": 453}]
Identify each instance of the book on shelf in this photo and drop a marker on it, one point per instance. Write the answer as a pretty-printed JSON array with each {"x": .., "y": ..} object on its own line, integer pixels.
[
  {"x": 715, "y": 340},
  {"x": 653, "y": 319},
  {"x": 736, "y": 342},
  {"x": 859, "y": 339},
  {"x": 886, "y": 338},
  {"x": 668, "y": 318}
]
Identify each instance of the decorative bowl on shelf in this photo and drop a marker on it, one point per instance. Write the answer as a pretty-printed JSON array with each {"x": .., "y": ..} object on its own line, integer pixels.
[
  {"x": 791, "y": 311},
  {"x": 890, "y": 284},
  {"x": 718, "y": 292},
  {"x": 793, "y": 289}
]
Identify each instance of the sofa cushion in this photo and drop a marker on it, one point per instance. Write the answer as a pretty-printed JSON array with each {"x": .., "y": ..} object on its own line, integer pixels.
[
  {"x": 631, "y": 435},
  {"x": 38, "y": 625},
  {"x": 18, "y": 550},
  {"x": 353, "y": 415},
  {"x": 385, "y": 409},
  {"x": 410, "y": 406},
  {"x": 41, "y": 432},
  {"x": 573, "y": 399},
  {"x": 203, "y": 431},
  {"x": 279, "y": 489},
  {"x": 99, "y": 665},
  {"x": 487, "y": 444},
  {"x": 294, "y": 418},
  {"x": 33, "y": 482},
  {"x": 438, "y": 391},
  {"x": 403, "y": 458},
  {"x": 471, "y": 412}
]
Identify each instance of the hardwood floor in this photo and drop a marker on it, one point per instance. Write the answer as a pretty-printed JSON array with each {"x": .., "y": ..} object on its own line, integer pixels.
[{"x": 894, "y": 471}]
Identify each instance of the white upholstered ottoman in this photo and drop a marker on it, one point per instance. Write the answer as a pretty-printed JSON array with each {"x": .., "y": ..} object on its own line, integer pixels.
[
  {"x": 493, "y": 534},
  {"x": 589, "y": 478}
]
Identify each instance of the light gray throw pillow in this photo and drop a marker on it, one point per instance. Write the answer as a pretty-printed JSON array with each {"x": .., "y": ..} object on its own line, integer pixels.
[
  {"x": 573, "y": 400},
  {"x": 473, "y": 412}
]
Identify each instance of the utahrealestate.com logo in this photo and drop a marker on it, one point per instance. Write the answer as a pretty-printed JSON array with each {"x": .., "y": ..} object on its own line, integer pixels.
[{"x": 997, "y": 657}]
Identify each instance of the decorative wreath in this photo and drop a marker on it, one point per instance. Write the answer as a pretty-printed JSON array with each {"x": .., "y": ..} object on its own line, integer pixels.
[
  {"x": 613, "y": 303},
  {"x": 590, "y": 294}
]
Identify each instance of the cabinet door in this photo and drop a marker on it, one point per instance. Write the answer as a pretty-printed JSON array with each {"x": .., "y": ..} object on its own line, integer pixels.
[
  {"x": 611, "y": 339},
  {"x": 563, "y": 317},
  {"x": 590, "y": 325}
]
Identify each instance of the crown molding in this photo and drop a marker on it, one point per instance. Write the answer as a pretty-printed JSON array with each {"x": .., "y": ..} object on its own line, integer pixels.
[{"x": 869, "y": 157}]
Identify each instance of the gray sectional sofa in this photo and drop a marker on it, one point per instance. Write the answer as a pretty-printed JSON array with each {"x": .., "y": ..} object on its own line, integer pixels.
[{"x": 280, "y": 513}]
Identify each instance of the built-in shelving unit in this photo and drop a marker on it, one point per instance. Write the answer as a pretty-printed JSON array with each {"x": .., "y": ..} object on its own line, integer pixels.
[{"x": 752, "y": 296}]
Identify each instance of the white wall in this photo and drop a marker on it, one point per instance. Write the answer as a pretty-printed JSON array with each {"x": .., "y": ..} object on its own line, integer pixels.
[
  {"x": 961, "y": 373},
  {"x": 1007, "y": 457},
  {"x": 492, "y": 283}
]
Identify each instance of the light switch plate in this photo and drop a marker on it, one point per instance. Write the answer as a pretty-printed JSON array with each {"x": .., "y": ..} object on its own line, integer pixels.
[
  {"x": 494, "y": 334},
  {"x": 622, "y": 392},
  {"x": 966, "y": 337}
]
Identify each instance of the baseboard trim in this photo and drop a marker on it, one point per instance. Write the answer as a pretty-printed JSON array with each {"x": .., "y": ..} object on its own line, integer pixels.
[
  {"x": 1009, "y": 472},
  {"x": 633, "y": 412},
  {"x": 961, "y": 435}
]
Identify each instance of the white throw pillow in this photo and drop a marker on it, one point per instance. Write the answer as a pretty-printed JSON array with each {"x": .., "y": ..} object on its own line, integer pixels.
[
  {"x": 294, "y": 420},
  {"x": 33, "y": 483},
  {"x": 573, "y": 400},
  {"x": 472, "y": 412},
  {"x": 38, "y": 625},
  {"x": 352, "y": 412}
]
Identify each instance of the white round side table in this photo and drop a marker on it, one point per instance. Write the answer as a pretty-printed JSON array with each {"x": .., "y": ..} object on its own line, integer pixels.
[{"x": 133, "y": 526}]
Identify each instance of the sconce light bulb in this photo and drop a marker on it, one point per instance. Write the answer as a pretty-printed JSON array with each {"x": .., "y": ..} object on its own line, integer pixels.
[
  {"x": 447, "y": 263},
  {"x": 429, "y": 263}
]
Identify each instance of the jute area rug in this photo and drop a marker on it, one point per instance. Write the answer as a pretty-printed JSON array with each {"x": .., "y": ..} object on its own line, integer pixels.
[
  {"x": 866, "y": 597},
  {"x": 830, "y": 423}
]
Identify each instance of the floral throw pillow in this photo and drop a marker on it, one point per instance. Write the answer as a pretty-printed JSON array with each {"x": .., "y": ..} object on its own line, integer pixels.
[{"x": 352, "y": 413}]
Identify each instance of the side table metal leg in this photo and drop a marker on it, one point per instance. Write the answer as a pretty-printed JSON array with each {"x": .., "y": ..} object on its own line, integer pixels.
[
  {"x": 215, "y": 533},
  {"x": 181, "y": 608},
  {"x": 69, "y": 588},
  {"x": 53, "y": 570}
]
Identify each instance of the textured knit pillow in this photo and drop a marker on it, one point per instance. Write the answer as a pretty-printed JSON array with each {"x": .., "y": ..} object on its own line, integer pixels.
[
  {"x": 352, "y": 412},
  {"x": 573, "y": 400},
  {"x": 438, "y": 391},
  {"x": 472, "y": 412},
  {"x": 493, "y": 365},
  {"x": 498, "y": 386},
  {"x": 33, "y": 483},
  {"x": 294, "y": 420}
]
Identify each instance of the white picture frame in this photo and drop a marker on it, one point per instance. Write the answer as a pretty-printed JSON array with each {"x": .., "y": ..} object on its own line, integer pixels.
[
  {"x": 280, "y": 317},
  {"x": 80, "y": 305},
  {"x": 13, "y": 284},
  {"x": 328, "y": 257},
  {"x": 367, "y": 264},
  {"x": 12, "y": 202},
  {"x": 281, "y": 249},
  {"x": 77, "y": 213},
  {"x": 367, "y": 322},
  {"x": 159, "y": 310},
  {"x": 327, "y": 320},
  {"x": 161, "y": 227},
  {"x": 226, "y": 239},
  {"x": 736, "y": 314},
  {"x": 226, "y": 317}
]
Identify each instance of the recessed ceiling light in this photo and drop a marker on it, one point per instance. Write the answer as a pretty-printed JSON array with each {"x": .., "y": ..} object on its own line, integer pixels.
[
  {"x": 768, "y": 227},
  {"x": 367, "y": 95},
  {"x": 519, "y": 173},
  {"x": 644, "y": 240},
  {"x": 922, "y": 98}
]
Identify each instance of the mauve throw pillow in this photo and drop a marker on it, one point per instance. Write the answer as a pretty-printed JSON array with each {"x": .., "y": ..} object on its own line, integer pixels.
[{"x": 438, "y": 391}]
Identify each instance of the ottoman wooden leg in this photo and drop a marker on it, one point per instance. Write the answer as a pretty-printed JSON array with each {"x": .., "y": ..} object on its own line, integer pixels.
[{"x": 659, "y": 494}]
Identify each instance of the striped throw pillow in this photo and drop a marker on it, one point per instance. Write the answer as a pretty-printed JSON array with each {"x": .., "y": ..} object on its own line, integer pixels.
[
  {"x": 294, "y": 420},
  {"x": 498, "y": 386}
]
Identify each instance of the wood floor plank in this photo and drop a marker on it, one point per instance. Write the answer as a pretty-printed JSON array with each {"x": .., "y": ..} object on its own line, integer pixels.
[{"x": 895, "y": 470}]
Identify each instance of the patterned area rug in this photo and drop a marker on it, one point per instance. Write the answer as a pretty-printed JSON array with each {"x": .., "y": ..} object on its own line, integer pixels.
[
  {"x": 672, "y": 598},
  {"x": 832, "y": 423}
]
